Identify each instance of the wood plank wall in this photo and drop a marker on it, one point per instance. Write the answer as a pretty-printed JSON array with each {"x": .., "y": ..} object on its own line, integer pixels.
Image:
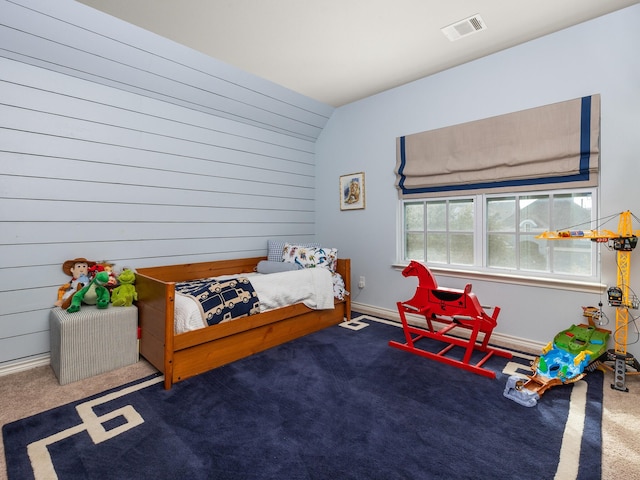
[{"x": 118, "y": 145}]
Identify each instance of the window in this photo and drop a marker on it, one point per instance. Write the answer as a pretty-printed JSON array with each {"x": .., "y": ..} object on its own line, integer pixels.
[
  {"x": 552, "y": 150},
  {"x": 443, "y": 228},
  {"x": 497, "y": 232}
]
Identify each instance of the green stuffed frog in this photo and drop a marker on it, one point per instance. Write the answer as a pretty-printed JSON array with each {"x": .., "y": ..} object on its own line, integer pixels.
[
  {"x": 94, "y": 293},
  {"x": 125, "y": 293}
]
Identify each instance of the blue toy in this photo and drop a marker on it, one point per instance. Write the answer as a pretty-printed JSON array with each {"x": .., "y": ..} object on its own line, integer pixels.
[{"x": 562, "y": 361}]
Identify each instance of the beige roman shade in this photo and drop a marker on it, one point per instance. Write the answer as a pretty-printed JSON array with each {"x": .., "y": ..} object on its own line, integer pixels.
[{"x": 554, "y": 146}]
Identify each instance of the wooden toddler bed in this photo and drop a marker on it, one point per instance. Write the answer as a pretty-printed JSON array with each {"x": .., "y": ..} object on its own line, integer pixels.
[{"x": 180, "y": 356}]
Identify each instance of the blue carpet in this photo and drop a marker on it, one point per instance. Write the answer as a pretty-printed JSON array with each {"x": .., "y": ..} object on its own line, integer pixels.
[{"x": 337, "y": 404}]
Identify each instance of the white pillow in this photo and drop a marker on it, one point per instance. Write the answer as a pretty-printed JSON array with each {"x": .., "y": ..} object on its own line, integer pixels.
[{"x": 311, "y": 257}]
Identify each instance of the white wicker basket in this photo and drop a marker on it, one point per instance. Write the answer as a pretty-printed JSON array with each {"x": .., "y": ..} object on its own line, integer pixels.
[{"x": 92, "y": 341}]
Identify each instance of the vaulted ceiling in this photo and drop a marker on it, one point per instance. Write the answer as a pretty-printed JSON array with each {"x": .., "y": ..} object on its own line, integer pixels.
[{"x": 339, "y": 51}]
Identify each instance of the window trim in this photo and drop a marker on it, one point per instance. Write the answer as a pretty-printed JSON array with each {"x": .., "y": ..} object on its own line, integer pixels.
[
  {"x": 523, "y": 280},
  {"x": 589, "y": 284}
]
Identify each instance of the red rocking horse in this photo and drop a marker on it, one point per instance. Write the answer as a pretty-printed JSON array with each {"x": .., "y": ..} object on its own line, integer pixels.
[{"x": 455, "y": 309}]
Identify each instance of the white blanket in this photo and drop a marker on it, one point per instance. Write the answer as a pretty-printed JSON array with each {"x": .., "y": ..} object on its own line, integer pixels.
[{"x": 311, "y": 286}]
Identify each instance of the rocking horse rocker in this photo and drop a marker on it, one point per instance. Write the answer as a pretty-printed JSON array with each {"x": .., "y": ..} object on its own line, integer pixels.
[{"x": 455, "y": 309}]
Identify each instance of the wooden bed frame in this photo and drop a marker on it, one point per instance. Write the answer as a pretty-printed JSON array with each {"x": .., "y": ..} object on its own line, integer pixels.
[{"x": 182, "y": 356}]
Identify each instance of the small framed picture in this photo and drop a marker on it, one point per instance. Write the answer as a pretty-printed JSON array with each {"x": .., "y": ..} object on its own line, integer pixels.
[{"x": 352, "y": 191}]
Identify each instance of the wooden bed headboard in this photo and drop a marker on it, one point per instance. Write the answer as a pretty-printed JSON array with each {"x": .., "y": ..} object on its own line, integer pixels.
[{"x": 193, "y": 271}]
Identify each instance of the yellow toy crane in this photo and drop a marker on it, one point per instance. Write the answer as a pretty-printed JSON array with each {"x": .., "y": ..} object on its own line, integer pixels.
[{"x": 623, "y": 242}]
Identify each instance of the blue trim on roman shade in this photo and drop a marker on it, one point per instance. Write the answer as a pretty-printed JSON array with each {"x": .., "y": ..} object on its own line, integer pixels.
[
  {"x": 585, "y": 136},
  {"x": 403, "y": 162}
]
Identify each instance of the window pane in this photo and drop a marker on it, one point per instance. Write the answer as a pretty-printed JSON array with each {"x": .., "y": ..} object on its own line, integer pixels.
[
  {"x": 461, "y": 215},
  {"x": 572, "y": 257},
  {"x": 571, "y": 212},
  {"x": 501, "y": 214},
  {"x": 437, "y": 247},
  {"x": 533, "y": 254},
  {"x": 462, "y": 249},
  {"x": 437, "y": 216},
  {"x": 414, "y": 216},
  {"x": 414, "y": 248},
  {"x": 534, "y": 214},
  {"x": 501, "y": 251}
]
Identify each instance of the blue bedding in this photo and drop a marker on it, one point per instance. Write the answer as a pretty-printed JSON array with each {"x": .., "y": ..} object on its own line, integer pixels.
[{"x": 221, "y": 301}]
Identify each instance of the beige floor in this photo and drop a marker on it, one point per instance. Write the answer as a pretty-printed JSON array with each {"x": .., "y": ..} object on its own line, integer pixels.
[
  {"x": 621, "y": 430},
  {"x": 32, "y": 391}
]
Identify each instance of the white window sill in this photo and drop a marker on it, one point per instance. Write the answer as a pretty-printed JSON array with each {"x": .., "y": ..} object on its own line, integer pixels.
[{"x": 576, "y": 286}]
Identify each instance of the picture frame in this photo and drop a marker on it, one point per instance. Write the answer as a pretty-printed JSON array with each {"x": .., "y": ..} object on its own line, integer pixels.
[{"x": 352, "y": 191}]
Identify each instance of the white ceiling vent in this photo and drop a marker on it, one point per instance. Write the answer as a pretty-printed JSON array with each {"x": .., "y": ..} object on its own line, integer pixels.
[{"x": 464, "y": 27}]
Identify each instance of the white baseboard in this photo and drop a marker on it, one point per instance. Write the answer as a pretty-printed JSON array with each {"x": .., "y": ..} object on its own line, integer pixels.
[
  {"x": 497, "y": 339},
  {"x": 25, "y": 364}
]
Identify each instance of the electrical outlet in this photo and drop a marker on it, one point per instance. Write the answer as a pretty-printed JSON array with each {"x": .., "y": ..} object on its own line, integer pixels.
[{"x": 361, "y": 282}]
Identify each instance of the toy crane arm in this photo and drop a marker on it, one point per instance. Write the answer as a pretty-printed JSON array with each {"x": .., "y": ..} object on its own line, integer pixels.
[{"x": 624, "y": 231}]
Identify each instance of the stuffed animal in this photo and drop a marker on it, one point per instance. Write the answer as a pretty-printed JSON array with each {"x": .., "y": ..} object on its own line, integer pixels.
[
  {"x": 125, "y": 293},
  {"x": 105, "y": 266},
  {"x": 78, "y": 269},
  {"x": 95, "y": 293}
]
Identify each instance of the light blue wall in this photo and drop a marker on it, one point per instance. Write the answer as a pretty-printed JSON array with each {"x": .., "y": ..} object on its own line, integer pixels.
[
  {"x": 119, "y": 145},
  {"x": 599, "y": 56}
]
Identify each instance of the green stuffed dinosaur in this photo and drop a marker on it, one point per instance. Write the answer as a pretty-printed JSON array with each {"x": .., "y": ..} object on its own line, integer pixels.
[
  {"x": 125, "y": 293},
  {"x": 95, "y": 293}
]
